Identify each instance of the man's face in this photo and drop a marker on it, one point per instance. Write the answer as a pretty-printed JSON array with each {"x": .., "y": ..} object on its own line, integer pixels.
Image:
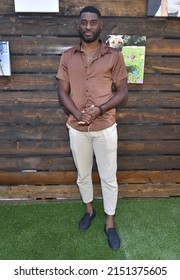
[{"x": 89, "y": 27}]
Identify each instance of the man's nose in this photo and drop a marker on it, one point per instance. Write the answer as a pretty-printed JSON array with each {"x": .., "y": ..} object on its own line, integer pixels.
[{"x": 88, "y": 26}]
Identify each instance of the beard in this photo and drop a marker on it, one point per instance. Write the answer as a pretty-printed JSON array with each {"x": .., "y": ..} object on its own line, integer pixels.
[{"x": 89, "y": 38}]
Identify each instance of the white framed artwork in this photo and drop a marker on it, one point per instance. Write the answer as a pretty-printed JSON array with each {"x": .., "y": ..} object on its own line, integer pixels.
[
  {"x": 36, "y": 6},
  {"x": 5, "y": 65},
  {"x": 133, "y": 48}
]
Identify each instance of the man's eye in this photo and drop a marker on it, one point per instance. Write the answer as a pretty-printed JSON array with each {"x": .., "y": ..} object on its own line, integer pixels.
[
  {"x": 93, "y": 22},
  {"x": 83, "y": 23}
]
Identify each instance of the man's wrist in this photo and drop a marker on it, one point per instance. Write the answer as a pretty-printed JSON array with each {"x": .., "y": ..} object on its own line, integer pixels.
[
  {"x": 78, "y": 116},
  {"x": 101, "y": 110}
]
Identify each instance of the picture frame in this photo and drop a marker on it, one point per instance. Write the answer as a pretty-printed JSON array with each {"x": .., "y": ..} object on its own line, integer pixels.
[
  {"x": 5, "y": 63},
  {"x": 36, "y": 6},
  {"x": 163, "y": 8},
  {"x": 133, "y": 49}
]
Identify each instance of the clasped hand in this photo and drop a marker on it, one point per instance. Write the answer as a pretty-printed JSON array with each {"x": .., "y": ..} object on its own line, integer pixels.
[{"x": 89, "y": 114}]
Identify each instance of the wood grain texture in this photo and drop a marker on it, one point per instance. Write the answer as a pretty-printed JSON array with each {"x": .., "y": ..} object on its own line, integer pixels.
[{"x": 35, "y": 157}]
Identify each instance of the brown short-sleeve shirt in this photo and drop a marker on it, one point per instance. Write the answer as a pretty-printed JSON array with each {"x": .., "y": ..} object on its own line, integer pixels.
[{"x": 91, "y": 84}]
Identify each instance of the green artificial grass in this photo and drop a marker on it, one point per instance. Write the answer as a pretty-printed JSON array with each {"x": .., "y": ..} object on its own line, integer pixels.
[{"x": 149, "y": 229}]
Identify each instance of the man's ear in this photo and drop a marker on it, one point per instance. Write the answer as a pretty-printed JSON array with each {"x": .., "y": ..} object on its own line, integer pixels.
[
  {"x": 77, "y": 23},
  {"x": 101, "y": 24}
]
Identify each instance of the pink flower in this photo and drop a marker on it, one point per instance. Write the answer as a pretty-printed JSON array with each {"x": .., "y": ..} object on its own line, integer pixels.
[{"x": 132, "y": 56}]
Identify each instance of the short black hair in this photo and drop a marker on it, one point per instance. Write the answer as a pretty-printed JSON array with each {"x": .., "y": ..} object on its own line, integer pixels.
[{"x": 90, "y": 9}]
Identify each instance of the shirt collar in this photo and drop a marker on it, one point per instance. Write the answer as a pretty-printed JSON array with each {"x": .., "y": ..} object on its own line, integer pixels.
[{"x": 104, "y": 49}]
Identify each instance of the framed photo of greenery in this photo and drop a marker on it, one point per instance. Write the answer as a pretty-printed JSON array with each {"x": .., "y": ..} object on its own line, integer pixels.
[{"x": 133, "y": 49}]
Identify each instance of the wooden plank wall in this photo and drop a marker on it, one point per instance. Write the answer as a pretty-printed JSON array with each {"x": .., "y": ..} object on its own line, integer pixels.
[{"x": 33, "y": 136}]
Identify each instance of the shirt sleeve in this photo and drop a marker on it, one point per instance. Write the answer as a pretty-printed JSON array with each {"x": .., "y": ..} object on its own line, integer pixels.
[
  {"x": 63, "y": 69},
  {"x": 119, "y": 71}
]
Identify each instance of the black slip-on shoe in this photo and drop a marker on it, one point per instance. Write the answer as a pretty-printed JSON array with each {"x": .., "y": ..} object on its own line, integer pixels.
[
  {"x": 86, "y": 220},
  {"x": 113, "y": 238}
]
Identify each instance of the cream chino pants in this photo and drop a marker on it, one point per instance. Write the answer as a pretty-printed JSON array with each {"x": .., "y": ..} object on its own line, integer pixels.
[{"x": 102, "y": 144}]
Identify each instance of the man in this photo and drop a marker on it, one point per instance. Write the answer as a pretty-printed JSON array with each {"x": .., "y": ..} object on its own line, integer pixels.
[{"x": 86, "y": 74}]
